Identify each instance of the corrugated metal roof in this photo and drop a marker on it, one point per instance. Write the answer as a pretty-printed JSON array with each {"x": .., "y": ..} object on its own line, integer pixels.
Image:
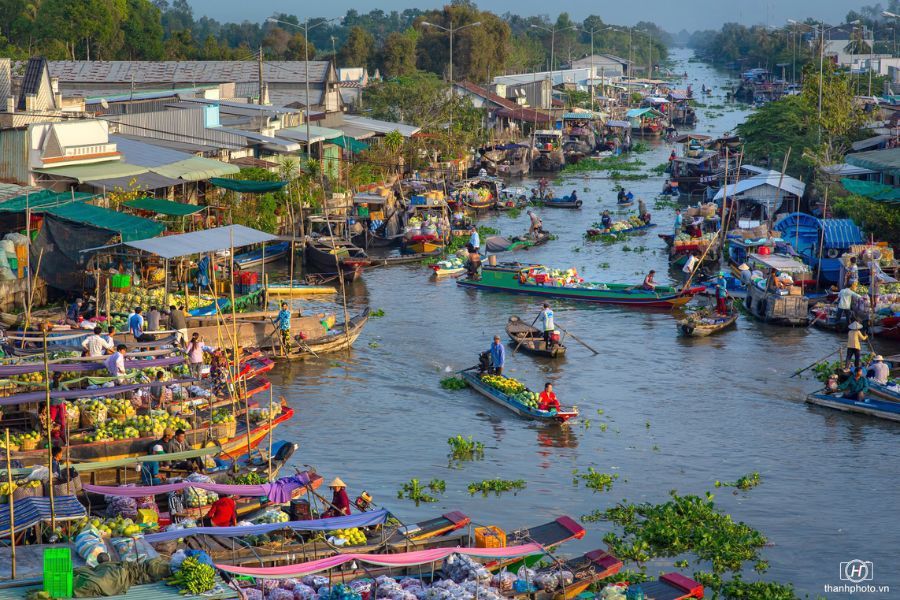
[
  {"x": 357, "y": 133},
  {"x": 187, "y": 71},
  {"x": 382, "y": 126},
  {"x": 207, "y": 240},
  {"x": 94, "y": 171},
  {"x": 883, "y": 161},
  {"x": 5, "y": 80},
  {"x": 14, "y": 165},
  {"x": 268, "y": 141},
  {"x": 175, "y": 145},
  {"x": 789, "y": 185},
  {"x": 146, "y": 155},
  {"x": 11, "y": 190},
  {"x": 226, "y": 106},
  {"x": 196, "y": 168}
]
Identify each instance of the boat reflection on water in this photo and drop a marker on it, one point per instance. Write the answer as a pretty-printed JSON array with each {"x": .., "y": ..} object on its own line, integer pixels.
[{"x": 559, "y": 436}]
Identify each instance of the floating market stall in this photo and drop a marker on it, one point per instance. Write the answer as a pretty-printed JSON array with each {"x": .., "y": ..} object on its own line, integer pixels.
[{"x": 820, "y": 242}]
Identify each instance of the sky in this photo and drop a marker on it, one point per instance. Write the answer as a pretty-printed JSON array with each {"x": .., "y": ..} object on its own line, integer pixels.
[{"x": 671, "y": 15}]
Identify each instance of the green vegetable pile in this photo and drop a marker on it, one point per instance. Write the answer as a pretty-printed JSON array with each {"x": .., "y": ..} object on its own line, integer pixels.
[
  {"x": 249, "y": 478},
  {"x": 453, "y": 383},
  {"x": 746, "y": 482},
  {"x": 194, "y": 577}
]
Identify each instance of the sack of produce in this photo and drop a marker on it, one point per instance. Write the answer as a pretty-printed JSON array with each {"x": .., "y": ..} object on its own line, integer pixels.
[{"x": 89, "y": 545}]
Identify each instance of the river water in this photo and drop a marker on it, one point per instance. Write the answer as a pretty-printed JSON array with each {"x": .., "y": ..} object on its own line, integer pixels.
[{"x": 677, "y": 413}]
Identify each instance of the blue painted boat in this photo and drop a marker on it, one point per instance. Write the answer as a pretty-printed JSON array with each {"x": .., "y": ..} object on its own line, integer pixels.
[
  {"x": 813, "y": 238},
  {"x": 563, "y": 202},
  {"x": 254, "y": 258},
  {"x": 873, "y": 407},
  {"x": 514, "y": 405}
]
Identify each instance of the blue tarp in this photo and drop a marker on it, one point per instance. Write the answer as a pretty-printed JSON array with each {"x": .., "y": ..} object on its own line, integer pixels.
[
  {"x": 837, "y": 233},
  {"x": 31, "y": 511},
  {"x": 366, "y": 519}
]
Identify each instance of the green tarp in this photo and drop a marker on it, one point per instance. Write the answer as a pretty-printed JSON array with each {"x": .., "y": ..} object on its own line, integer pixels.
[
  {"x": 130, "y": 227},
  {"x": 42, "y": 199},
  {"x": 872, "y": 190},
  {"x": 246, "y": 186},
  {"x": 164, "y": 207},
  {"x": 348, "y": 143}
]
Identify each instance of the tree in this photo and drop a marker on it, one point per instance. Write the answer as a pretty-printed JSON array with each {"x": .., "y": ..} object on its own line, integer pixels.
[
  {"x": 142, "y": 31},
  {"x": 479, "y": 52},
  {"x": 773, "y": 128},
  {"x": 398, "y": 57},
  {"x": 357, "y": 50}
]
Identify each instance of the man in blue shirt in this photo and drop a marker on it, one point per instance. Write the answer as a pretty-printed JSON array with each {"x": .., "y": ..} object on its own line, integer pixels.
[
  {"x": 150, "y": 474},
  {"x": 676, "y": 229},
  {"x": 498, "y": 356},
  {"x": 136, "y": 325},
  {"x": 74, "y": 312},
  {"x": 283, "y": 323},
  {"x": 549, "y": 326},
  {"x": 475, "y": 239}
]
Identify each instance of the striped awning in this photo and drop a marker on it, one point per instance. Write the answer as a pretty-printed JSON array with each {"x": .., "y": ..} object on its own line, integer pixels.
[{"x": 31, "y": 511}]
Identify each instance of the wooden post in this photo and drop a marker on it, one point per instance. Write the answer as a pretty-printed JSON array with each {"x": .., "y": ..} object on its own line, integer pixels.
[
  {"x": 236, "y": 350},
  {"x": 49, "y": 426},
  {"x": 12, "y": 510},
  {"x": 165, "y": 300},
  {"x": 107, "y": 301},
  {"x": 28, "y": 282},
  {"x": 263, "y": 272},
  {"x": 271, "y": 398}
]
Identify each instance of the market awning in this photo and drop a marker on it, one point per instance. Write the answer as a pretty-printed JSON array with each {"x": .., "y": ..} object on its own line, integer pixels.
[
  {"x": 148, "y": 181},
  {"x": 870, "y": 189},
  {"x": 348, "y": 143},
  {"x": 42, "y": 199},
  {"x": 94, "y": 171},
  {"x": 128, "y": 226},
  {"x": 196, "y": 168},
  {"x": 30, "y": 511},
  {"x": 246, "y": 186},
  {"x": 164, "y": 207},
  {"x": 199, "y": 242}
]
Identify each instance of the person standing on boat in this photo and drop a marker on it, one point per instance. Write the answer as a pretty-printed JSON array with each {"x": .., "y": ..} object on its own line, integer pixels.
[
  {"x": 689, "y": 265},
  {"x": 854, "y": 336},
  {"x": 536, "y": 224},
  {"x": 852, "y": 275},
  {"x": 473, "y": 263},
  {"x": 136, "y": 326},
  {"x": 746, "y": 275},
  {"x": 548, "y": 400},
  {"x": 178, "y": 323},
  {"x": 574, "y": 196},
  {"x": 845, "y": 303},
  {"x": 498, "y": 356},
  {"x": 549, "y": 326},
  {"x": 195, "y": 351},
  {"x": 95, "y": 345},
  {"x": 721, "y": 293},
  {"x": 679, "y": 220},
  {"x": 153, "y": 317},
  {"x": 880, "y": 371},
  {"x": 474, "y": 238},
  {"x": 283, "y": 320},
  {"x": 340, "y": 501},
  {"x": 606, "y": 219},
  {"x": 856, "y": 386}
]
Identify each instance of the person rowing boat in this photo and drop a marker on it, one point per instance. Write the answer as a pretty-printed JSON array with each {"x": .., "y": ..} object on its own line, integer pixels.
[{"x": 548, "y": 400}]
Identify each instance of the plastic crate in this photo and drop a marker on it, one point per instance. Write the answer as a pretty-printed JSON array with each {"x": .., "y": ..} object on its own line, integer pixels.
[
  {"x": 490, "y": 537},
  {"x": 58, "y": 572}
]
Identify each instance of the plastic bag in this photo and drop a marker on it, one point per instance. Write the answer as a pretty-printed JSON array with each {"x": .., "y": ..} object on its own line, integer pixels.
[
  {"x": 121, "y": 506},
  {"x": 315, "y": 581},
  {"x": 280, "y": 594},
  {"x": 253, "y": 594},
  {"x": 134, "y": 549},
  {"x": 304, "y": 592},
  {"x": 89, "y": 545}
]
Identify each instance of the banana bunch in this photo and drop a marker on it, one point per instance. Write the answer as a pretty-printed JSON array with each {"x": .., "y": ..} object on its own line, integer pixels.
[
  {"x": 194, "y": 577},
  {"x": 7, "y": 488},
  {"x": 507, "y": 385}
]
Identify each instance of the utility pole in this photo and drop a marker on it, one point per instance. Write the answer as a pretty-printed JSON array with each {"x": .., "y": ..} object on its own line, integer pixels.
[{"x": 260, "y": 75}]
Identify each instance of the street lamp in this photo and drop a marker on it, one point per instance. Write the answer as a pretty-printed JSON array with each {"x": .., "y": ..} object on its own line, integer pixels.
[
  {"x": 451, "y": 30},
  {"x": 305, "y": 28},
  {"x": 821, "y": 30},
  {"x": 592, "y": 32}
]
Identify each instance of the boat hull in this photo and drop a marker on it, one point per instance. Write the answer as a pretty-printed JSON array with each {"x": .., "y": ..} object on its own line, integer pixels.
[
  {"x": 530, "y": 339},
  {"x": 689, "y": 329},
  {"x": 520, "y": 409},
  {"x": 873, "y": 407},
  {"x": 257, "y": 331},
  {"x": 300, "y": 290},
  {"x": 338, "y": 338}
]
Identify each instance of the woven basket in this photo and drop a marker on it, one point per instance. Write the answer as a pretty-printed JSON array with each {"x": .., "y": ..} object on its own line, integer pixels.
[
  {"x": 223, "y": 430},
  {"x": 69, "y": 488},
  {"x": 89, "y": 419},
  {"x": 29, "y": 444},
  {"x": 28, "y": 492}
]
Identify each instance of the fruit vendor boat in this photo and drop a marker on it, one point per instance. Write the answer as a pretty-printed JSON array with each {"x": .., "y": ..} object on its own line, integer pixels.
[
  {"x": 596, "y": 231},
  {"x": 383, "y": 536},
  {"x": 531, "y": 339},
  {"x": 872, "y": 406},
  {"x": 256, "y": 330},
  {"x": 340, "y": 337},
  {"x": 670, "y": 586},
  {"x": 254, "y": 258},
  {"x": 537, "y": 280},
  {"x": 548, "y": 536},
  {"x": 495, "y": 244},
  {"x": 325, "y": 254},
  {"x": 587, "y": 570},
  {"x": 514, "y": 400},
  {"x": 451, "y": 266}
]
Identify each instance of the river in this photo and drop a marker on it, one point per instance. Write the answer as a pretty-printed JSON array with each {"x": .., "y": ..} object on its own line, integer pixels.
[{"x": 677, "y": 413}]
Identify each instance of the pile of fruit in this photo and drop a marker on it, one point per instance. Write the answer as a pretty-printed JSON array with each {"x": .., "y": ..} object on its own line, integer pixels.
[
  {"x": 30, "y": 378},
  {"x": 7, "y": 388},
  {"x": 124, "y": 302},
  {"x": 116, "y": 527},
  {"x": 18, "y": 439},
  {"x": 507, "y": 385},
  {"x": 194, "y": 577},
  {"x": 112, "y": 430},
  {"x": 223, "y": 415},
  {"x": 260, "y": 414},
  {"x": 157, "y": 422},
  {"x": 92, "y": 410},
  {"x": 274, "y": 515},
  {"x": 528, "y": 398},
  {"x": 119, "y": 408},
  {"x": 197, "y": 497},
  {"x": 354, "y": 536},
  {"x": 7, "y": 488}
]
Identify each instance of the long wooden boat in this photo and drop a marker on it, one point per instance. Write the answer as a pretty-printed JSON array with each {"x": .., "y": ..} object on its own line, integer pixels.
[
  {"x": 340, "y": 337},
  {"x": 257, "y": 329},
  {"x": 325, "y": 254},
  {"x": 672, "y": 586},
  {"x": 447, "y": 530},
  {"x": 871, "y": 406},
  {"x": 593, "y": 231},
  {"x": 491, "y": 393},
  {"x": 404, "y": 259},
  {"x": 254, "y": 258},
  {"x": 549, "y": 535},
  {"x": 509, "y": 277},
  {"x": 297, "y": 290},
  {"x": 589, "y": 568},
  {"x": 530, "y": 339},
  {"x": 562, "y": 202},
  {"x": 497, "y": 243},
  {"x": 704, "y": 323}
]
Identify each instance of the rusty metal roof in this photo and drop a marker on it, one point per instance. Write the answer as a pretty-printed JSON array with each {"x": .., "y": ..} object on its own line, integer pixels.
[{"x": 187, "y": 71}]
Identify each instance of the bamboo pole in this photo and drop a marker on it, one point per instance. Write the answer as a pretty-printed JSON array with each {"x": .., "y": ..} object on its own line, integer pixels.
[
  {"x": 49, "y": 427},
  {"x": 235, "y": 363},
  {"x": 28, "y": 283},
  {"x": 12, "y": 508},
  {"x": 269, "y": 412},
  {"x": 108, "y": 302}
]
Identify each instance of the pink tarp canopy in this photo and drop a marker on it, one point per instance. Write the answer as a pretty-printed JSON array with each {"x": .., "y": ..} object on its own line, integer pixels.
[
  {"x": 277, "y": 491},
  {"x": 403, "y": 559}
]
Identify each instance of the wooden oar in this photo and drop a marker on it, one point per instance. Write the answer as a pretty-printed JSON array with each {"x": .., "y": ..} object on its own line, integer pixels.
[
  {"x": 464, "y": 370},
  {"x": 577, "y": 340},
  {"x": 516, "y": 349},
  {"x": 815, "y": 363}
]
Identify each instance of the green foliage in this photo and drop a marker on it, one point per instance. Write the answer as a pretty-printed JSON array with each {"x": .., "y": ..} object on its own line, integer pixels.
[
  {"x": 453, "y": 383},
  {"x": 745, "y": 482},
  {"x": 379, "y": 312},
  {"x": 398, "y": 56},
  {"x": 497, "y": 486},
  {"x": 776, "y": 126},
  {"x": 879, "y": 219},
  {"x": 417, "y": 492},
  {"x": 738, "y": 589},
  {"x": 480, "y": 52},
  {"x": 357, "y": 50},
  {"x": 609, "y": 163},
  {"x": 599, "y": 482},
  {"x": 465, "y": 448}
]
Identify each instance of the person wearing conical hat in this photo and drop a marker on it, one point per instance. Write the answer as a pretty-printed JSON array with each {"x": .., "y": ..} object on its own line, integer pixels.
[
  {"x": 340, "y": 501},
  {"x": 854, "y": 337}
]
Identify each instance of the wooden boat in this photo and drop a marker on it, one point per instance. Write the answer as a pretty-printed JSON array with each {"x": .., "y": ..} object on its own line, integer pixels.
[
  {"x": 672, "y": 586},
  {"x": 324, "y": 254},
  {"x": 884, "y": 392},
  {"x": 587, "y": 569},
  {"x": 768, "y": 304},
  {"x": 530, "y": 339},
  {"x": 339, "y": 337},
  {"x": 425, "y": 247},
  {"x": 563, "y": 202},
  {"x": 447, "y": 530},
  {"x": 254, "y": 258},
  {"x": 871, "y": 406},
  {"x": 549, "y": 535},
  {"x": 595, "y": 232},
  {"x": 521, "y": 278},
  {"x": 497, "y": 243},
  {"x": 704, "y": 323},
  {"x": 445, "y": 268},
  {"x": 257, "y": 329},
  {"x": 368, "y": 239},
  {"x": 297, "y": 289},
  {"x": 491, "y": 393},
  {"x": 625, "y": 204}
]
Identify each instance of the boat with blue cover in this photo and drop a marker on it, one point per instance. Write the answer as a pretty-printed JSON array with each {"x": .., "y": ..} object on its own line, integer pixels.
[{"x": 871, "y": 406}]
